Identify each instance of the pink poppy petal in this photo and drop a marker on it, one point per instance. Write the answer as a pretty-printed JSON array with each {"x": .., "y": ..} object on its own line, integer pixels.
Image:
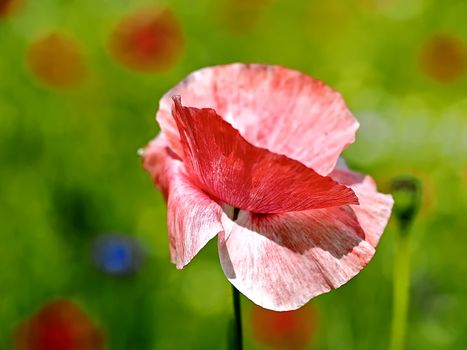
[
  {"x": 223, "y": 164},
  {"x": 272, "y": 107},
  {"x": 281, "y": 261},
  {"x": 193, "y": 220},
  {"x": 375, "y": 208},
  {"x": 159, "y": 163},
  {"x": 193, "y": 217}
]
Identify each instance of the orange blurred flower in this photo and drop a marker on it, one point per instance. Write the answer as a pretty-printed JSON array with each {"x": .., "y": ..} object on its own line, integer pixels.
[
  {"x": 443, "y": 57},
  {"x": 148, "y": 40},
  {"x": 284, "y": 330},
  {"x": 9, "y": 7},
  {"x": 59, "y": 325},
  {"x": 57, "y": 60}
]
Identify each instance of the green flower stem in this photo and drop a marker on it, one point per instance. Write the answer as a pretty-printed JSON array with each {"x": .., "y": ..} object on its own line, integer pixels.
[
  {"x": 237, "y": 324},
  {"x": 237, "y": 335},
  {"x": 401, "y": 290}
]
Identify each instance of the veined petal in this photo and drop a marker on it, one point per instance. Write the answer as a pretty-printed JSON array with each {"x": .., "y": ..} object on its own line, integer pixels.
[
  {"x": 159, "y": 162},
  {"x": 193, "y": 217},
  {"x": 272, "y": 107},
  {"x": 193, "y": 220},
  {"x": 223, "y": 164},
  {"x": 375, "y": 208},
  {"x": 281, "y": 261}
]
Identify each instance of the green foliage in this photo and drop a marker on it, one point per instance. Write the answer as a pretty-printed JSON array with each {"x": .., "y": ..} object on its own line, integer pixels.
[{"x": 70, "y": 170}]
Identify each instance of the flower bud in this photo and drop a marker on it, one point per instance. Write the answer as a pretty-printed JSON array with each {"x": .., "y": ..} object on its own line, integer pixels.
[{"x": 406, "y": 191}]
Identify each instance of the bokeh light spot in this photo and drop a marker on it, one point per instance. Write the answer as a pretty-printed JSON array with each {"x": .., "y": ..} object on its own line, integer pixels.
[
  {"x": 148, "y": 40},
  {"x": 57, "y": 61},
  {"x": 117, "y": 254},
  {"x": 292, "y": 330},
  {"x": 59, "y": 325},
  {"x": 443, "y": 58},
  {"x": 395, "y": 9}
]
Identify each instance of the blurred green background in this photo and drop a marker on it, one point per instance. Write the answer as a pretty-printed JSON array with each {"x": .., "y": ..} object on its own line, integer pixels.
[{"x": 69, "y": 169}]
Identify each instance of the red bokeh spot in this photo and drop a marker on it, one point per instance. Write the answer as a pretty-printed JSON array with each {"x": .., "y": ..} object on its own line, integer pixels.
[
  {"x": 284, "y": 330},
  {"x": 443, "y": 57},
  {"x": 148, "y": 40},
  {"x": 9, "y": 7},
  {"x": 57, "y": 60},
  {"x": 60, "y": 325}
]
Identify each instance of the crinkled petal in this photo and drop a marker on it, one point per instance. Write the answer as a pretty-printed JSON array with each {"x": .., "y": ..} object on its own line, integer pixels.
[
  {"x": 272, "y": 107},
  {"x": 193, "y": 217},
  {"x": 374, "y": 209},
  {"x": 159, "y": 162},
  {"x": 281, "y": 261},
  {"x": 225, "y": 165},
  {"x": 193, "y": 220}
]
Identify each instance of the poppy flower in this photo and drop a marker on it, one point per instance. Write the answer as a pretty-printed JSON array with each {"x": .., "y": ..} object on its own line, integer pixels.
[
  {"x": 262, "y": 142},
  {"x": 148, "y": 40},
  {"x": 59, "y": 325},
  {"x": 57, "y": 60},
  {"x": 284, "y": 330}
]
